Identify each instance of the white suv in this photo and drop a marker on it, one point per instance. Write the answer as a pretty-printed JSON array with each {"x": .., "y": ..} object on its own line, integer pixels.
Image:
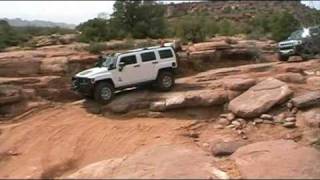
[{"x": 154, "y": 65}]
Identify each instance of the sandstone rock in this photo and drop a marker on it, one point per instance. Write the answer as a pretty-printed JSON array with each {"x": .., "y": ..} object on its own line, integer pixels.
[
  {"x": 260, "y": 98},
  {"x": 54, "y": 65},
  {"x": 238, "y": 84},
  {"x": 258, "y": 120},
  {"x": 158, "y": 106},
  {"x": 267, "y": 122},
  {"x": 119, "y": 108},
  {"x": 209, "y": 45},
  {"x": 279, "y": 159},
  {"x": 226, "y": 148},
  {"x": 236, "y": 123},
  {"x": 230, "y": 116},
  {"x": 266, "y": 116},
  {"x": 223, "y": 121},
  {"x": 10, "y": 94},
  {"x": 200, "y": 98},
  {"x": 291, "y": 77},
  {"x": 295, "y": 59},
  {"x": 289, "y": 124},
  {"x": 309, "y": 118},
  {"x": 314, "y": 81},
  {"x": 306, "y": 100},
  {"x": 13, "y": 64},
  {"x": 233, "y": 94},
  {"x": 156, "y": 162},
  {"x": 290, "y": 119}
]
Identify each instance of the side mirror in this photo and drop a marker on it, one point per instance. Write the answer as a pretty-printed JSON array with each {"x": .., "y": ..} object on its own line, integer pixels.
[{"x": 121, "y": 65}]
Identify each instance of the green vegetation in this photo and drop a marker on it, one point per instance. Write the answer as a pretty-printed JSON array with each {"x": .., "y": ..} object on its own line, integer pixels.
[
  {"x": 16, "y": 36},
  {"x": 138, "y": 19},
  {"x": 277, "y": 26}
]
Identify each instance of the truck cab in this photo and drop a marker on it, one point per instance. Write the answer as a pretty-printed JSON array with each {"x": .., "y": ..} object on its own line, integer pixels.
[{"x": 155, "y": 65}]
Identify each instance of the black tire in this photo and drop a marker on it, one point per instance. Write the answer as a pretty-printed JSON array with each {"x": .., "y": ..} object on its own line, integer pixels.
[
  {"x": 283, "y": 58},
  {"x": 103, "y": 92},
  {"x": 165, "y": 81}
]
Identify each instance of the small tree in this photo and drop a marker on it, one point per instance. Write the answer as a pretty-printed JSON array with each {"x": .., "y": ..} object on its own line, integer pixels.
[
  {"x": 282, "y": 24},
  {"x": 96, "y": 30}
]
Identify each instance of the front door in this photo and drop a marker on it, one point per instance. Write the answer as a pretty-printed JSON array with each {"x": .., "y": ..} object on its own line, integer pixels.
[{"x": 131, "y": 71}]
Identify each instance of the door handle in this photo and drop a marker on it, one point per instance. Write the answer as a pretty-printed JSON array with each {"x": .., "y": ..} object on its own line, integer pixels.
[
  {"x": 136, "y": 65},
  {"x": 154, "y": 62}
]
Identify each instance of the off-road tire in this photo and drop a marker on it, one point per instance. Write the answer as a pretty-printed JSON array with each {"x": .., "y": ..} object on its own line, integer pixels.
[
  {"x": 103, "y": 92},
  {"x": 165, "y": 81},
  {"x": 283, "y": 58}
]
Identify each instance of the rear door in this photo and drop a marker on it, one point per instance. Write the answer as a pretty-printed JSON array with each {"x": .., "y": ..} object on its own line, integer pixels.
[{"x": 149, "y": 60}]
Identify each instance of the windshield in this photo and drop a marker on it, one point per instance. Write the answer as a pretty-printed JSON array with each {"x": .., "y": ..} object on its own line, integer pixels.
[
  {"x": 106, "y": 61},
  {"x": 296, "y": 35}
]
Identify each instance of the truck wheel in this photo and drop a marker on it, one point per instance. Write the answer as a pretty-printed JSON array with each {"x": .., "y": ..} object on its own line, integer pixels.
[
  {"x": 165, "y": 81},
  {"x": 283, "y": 58},
  {"x": 103, "y": 92}
]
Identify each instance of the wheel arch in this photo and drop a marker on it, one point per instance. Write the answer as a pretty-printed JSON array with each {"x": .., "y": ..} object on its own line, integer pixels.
[
  {"x": 109, "y": 80},
  {"x": 166, "y": 69}
]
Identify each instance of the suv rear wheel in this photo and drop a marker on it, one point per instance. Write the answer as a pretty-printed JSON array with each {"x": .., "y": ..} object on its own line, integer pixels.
[
  {"x": 165, "y": 81},
  {"x": 103, "y": 92}
]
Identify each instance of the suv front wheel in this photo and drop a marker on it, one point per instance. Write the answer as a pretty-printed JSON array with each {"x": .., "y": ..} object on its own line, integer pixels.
[
  {"x": 103, "y": 92},
  {"x": 165, "y": 81}
]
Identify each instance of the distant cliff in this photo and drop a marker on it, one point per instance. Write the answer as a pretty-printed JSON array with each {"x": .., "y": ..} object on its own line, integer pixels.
[{"x": 37, "y": 23}]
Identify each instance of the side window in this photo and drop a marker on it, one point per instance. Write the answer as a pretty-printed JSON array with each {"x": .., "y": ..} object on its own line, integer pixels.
[
  {"x": 148, "y": 56},
  {"x": 129, "y": 59},
  {"x": 165, "y": 54}
]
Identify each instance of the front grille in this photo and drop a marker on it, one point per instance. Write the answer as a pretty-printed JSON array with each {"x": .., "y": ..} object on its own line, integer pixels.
[
  {"x": 76, "y": 81},
  {"x": 286, "y": 48}
]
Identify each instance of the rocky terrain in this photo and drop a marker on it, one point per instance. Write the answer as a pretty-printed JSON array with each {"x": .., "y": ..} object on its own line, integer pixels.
[
  {"x": 235, "y": 112},
  {"x": 239, "y": 11}
]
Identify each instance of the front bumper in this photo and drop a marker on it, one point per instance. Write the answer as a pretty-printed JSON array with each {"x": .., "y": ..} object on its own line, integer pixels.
[{"x": 82, "y": 85}]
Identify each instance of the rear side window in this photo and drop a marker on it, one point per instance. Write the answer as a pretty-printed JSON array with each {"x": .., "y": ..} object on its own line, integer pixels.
[
  {"x": 129, "y": 59},
  {"x": 165, "y": 54},
  {"x": 148, "y": 56}
]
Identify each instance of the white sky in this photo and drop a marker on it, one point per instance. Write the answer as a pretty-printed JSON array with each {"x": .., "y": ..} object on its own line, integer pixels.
[{"x": 72, "y": 12}]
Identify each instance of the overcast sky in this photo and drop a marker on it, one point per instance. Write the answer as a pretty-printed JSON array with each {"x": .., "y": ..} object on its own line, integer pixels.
[{"x": 72, "y": 12}]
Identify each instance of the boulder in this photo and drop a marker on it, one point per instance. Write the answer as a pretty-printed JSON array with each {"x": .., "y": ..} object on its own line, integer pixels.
[
  {"x": 226, "y": 148},
  {"x": 260, "y": 98},
  {"x": 291, "y": 77},
  {"x": 156, "y": 162},
  {"x": 306, "y": 100},
  {"x": 277, "y": 159},
  {"x": 238, "y": 84},
  {"x": 309, "y": 118},
  {"x": 201, "y": 98}
]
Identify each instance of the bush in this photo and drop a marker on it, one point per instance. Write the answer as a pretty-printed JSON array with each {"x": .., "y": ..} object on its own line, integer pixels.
[
  {"x": 279, "y": 25},
  {"x": 96, "y": 47}
]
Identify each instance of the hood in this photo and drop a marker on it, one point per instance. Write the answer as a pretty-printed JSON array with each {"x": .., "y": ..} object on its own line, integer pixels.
[{"x": 91, "y": 73}]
